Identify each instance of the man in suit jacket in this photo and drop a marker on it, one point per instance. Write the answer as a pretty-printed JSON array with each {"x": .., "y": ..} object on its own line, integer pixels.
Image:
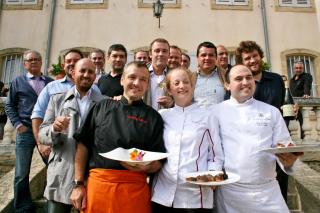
[
  {"x": 65, "y": 113},
  {"x": 23, "y": 94}
]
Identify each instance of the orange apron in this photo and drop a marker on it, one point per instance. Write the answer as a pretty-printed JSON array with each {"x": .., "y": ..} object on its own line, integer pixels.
[{"x": 117, "y": 191}]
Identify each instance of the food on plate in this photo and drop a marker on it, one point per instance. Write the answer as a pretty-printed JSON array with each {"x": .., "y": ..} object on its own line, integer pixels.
[
  {"x": 208, "y": 178},
  {"x": 137, "y": 155}
]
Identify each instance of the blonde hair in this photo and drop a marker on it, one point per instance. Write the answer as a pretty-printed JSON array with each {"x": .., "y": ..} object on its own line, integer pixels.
[{"x": 187, "y": 71}]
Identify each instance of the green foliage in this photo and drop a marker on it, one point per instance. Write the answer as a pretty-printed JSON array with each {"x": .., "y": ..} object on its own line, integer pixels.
[
  {"x": 266, "y": 66},
  {"x": 56, "y": 68}
]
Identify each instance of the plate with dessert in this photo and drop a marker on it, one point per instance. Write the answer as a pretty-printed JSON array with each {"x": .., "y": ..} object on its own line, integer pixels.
[
  {"x": 134, "y": 156},
  {"x": 211, "y": 178}
]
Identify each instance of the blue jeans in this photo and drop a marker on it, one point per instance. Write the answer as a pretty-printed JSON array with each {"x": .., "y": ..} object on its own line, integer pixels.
[{"x": 25, "y": 144}]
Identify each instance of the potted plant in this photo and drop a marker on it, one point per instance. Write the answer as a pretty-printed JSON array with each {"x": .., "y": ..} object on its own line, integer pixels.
[{"x": 56, "y": 70}]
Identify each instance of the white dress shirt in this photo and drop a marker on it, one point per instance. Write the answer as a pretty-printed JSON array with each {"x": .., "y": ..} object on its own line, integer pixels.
[
  {"x": 191, "y": 146},
  {"x": 245, "y": 129}
]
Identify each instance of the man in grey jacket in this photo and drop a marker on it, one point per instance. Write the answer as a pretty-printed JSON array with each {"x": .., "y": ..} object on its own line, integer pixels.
[{"x": 64, "y": 114}]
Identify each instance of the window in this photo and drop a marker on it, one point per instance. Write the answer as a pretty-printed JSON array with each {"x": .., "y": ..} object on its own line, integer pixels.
[
  {"x": 167, "y": 3},
  {"x": 12, "y": 66},
  {"x": 86, "y": 4},
  {"x": 231, "y": 4},
  {"x": 295, "y": 3},
  {"x": 23, "y": 4},
  {"x": 308, "y": 68},
  {"x": 86, "y": 1}
]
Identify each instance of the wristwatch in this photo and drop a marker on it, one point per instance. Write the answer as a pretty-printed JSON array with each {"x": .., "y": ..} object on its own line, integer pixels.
[{"x": 77, "y": 183}]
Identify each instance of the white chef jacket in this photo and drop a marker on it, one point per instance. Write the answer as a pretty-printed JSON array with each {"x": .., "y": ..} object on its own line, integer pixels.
[
  {"x": 191, "y": 146},
  {"x": 245, "y": 129}
]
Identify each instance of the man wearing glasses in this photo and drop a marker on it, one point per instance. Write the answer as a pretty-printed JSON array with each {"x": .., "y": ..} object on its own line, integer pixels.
[{"x": 23, "y": 94}]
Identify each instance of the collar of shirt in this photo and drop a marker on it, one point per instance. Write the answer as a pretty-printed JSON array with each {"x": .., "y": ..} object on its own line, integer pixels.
[
  {"x": 124, "y": 101},
  {"x": 210, "y": 75},
  {"x": 235, "y": 102},
  {"x": 33, "y": 77},
  {"x": 185, "y": 109},
  {"x": 77, "y": 94},
  {"x": 65, "y": 79},
  {"x": 165, "y": 71}
]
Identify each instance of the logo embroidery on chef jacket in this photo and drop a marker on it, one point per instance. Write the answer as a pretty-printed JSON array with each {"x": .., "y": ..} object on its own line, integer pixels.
[
  {"x": 261, "y": 120},
  {"x": 137, "y": 119}
]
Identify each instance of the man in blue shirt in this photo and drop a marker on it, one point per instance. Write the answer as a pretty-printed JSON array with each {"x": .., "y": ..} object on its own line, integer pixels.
[
  {"x": 23, "y": 94},
  {"x": 57, "y": 86}
]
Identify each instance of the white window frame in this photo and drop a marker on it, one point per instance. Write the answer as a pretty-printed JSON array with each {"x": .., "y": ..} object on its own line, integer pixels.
[
  {"x": 12, "y": 66},
  {"x": 308, "y": 62},
  {"x": 163, "y": 1},
  {"x": 295, "y": 3},
  {"x": 233, "y": 2},
  {"x": 21, "y": 2},
  {"x": 86, "y": 1}
]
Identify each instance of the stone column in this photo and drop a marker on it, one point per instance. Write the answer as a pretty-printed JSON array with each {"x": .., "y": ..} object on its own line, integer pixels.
[
  {"x": 306, "y": 127},
  {"x": 318, "y": 123},
  {"x": 294, "y": 130}
]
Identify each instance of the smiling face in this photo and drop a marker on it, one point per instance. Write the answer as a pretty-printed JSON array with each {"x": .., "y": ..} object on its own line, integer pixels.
[
  {"x": 253, "y": 61},
  {"x": 98, "y": 59},
  {"x": 206, "y": 59},
  {"x": 142, "y": 56},
  {"x": 159, "y": 54},
  {"x": 135, "y": 82},
  {"x": 222, "y": 57},
  {"x": 242, "y": 85},
  {"x": 179, "y": 85},
  {"x": 84, "y": 75},
  {"x": 175, "y": 57},
  {"x": 69, "y": 62}
]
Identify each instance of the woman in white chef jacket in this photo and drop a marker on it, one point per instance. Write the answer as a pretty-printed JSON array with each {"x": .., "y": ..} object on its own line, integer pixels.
[{"x": 189, "y": 142}]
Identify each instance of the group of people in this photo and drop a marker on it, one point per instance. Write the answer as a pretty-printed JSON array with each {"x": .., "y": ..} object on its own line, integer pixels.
[{"x": 218, "y": 117}]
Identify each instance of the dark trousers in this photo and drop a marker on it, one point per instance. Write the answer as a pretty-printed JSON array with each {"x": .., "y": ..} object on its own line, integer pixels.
[
  {"x": 157, "y": 208},
  {"x": 282, "y": 178}
]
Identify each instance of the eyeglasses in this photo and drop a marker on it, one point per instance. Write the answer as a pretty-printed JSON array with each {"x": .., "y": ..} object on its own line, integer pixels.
[{"x": 33, "y": 59}]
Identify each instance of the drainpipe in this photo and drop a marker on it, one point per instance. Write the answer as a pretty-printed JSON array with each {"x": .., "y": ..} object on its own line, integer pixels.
[
  {"x": 49, "y": 40},
  {"x": 265, "y": 30}
]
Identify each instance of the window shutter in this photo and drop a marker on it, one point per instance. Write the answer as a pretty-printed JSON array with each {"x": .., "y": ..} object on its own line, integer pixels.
[
  {"x": 86, "y": 1},
  {"x": 233, "y": 2},
  {"x": 285, "y": 2},
  {"x": 163, "y": 1},
  {"x": 240, "y": 2}
]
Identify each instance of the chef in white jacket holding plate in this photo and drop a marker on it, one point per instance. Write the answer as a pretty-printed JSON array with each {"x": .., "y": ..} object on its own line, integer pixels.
[{"x": 247, "y": 126}]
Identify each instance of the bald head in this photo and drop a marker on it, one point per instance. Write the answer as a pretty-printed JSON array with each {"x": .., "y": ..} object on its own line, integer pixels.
[
  {"x": 240, "y": 83},
  {"x": 84, "y": 75}
]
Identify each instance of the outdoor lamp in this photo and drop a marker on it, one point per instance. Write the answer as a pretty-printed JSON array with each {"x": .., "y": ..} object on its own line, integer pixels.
[{"x": 157, "y": 10}]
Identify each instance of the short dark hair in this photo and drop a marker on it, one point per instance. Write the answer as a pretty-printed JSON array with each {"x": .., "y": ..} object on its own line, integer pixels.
[
  {"x": 206, "y": 44},
  {"x": 135, "y": 53},
  {"x": 186, "y": 55},
  {"x": 175, "y": 47},
  {"x": 298, "y": 61},
  {"x": 117, "y": 47},
  {"x": 160, "y": 40},
  {"x": 73, "y": 51},
  {"x": 97, "y": 51},
  {"x": 247, "y": 47},
  {"x": 137, "y": 64}
]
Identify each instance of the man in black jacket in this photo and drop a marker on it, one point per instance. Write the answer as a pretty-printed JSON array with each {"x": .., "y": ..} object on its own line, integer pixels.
[{"x": 300, "y": 86}]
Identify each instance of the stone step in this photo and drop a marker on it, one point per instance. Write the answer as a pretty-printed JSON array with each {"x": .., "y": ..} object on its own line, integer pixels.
[{"x": 296, "y": 211}]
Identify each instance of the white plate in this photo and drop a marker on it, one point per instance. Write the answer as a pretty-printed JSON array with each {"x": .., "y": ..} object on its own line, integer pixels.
[
  {"x": 123, "y": 155},
  {"x": 232, "y": 178},
  {"x": 298, "y": 148}
]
